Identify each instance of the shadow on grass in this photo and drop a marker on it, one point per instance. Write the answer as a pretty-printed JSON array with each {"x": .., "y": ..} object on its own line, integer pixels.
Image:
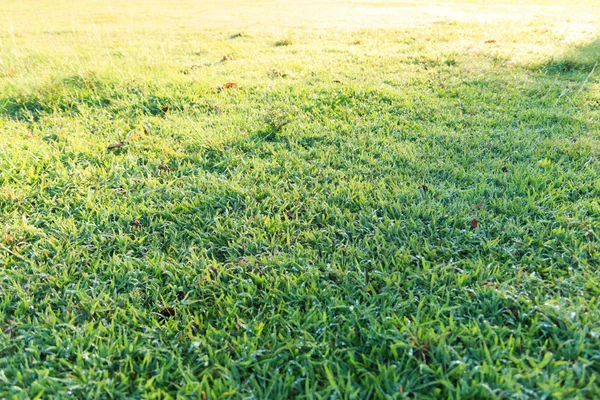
[
  {"x": 414, "y": 240},
  {"x": 68, "y": 95},
  {"x": 583, "y": 58}
]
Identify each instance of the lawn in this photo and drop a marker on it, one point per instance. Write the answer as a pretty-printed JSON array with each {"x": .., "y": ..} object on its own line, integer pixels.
[{"x": 268, "y": 199}]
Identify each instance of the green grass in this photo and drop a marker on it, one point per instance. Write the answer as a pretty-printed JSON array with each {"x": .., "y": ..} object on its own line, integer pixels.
[{"x": 310, "y": 232}]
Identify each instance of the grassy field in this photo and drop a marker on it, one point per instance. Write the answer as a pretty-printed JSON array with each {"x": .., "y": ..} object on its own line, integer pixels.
[{"x": 338, "y": 199}]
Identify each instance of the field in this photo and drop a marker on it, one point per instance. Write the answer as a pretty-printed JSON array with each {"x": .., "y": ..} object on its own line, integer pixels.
[{"x": 268, "y": 199}]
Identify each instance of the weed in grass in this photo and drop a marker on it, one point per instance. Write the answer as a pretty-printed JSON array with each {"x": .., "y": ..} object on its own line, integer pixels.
[{"x": 275, "y": 118}]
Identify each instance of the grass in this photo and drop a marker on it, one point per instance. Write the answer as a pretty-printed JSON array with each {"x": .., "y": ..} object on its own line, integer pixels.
[{"x": 402, "y": 201}]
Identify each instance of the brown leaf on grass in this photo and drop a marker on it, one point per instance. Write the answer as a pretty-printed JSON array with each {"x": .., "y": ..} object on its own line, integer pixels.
[
  {"x": 227, "y": 57},
  {"x": 289, "y": 214},
  {"x": 474, "y": 223},
  {"x": 490, "y": 41},
  {"x": 136, "y": 224},
  {"x": 423, "y": 350},
  {"x": 139, "y": 133},
  {"x": 230, "y": 85},
  {"x": 479, "y": 205},
  {"x": 203, "y": 396},
  {"x": 115, "y": 146},
  {"x": 164, "y": 167},
  {"x": 167, "y": 312},
  {"x": 8, "y": 238}
]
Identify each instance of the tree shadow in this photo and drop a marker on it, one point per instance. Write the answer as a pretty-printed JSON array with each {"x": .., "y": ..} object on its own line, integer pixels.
[{"x": 583, "y": 58}]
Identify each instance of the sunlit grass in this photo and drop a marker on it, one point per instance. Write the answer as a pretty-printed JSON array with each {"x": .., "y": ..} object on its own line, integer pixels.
[{"x": 343, "y": 199}]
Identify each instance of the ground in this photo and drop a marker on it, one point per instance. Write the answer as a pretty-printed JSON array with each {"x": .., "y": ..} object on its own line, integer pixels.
[{"x": 268, "y": 199}]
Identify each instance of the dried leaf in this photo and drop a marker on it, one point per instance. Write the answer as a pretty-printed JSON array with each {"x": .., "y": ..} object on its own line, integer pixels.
[
  {"x": 479, "y": 205},
  {"x": 289, "y": 214},
  {"x": 8, "y": 238},
  {"x": 164, "y": 167},
  {"x": 227, "y": 57},
  {"x": 203, "y": 395},
  {"x": 230, "y": 85},
  {"x": 474, "y": 223},
  {"x": 167, "y": 312},
  {"x": 115, "y": 146},
  {"x": 138, "y": 133},
  {"x": 136, "y": 224},
  {"x": 490, "y": 41},
  {"x": 422, "y": 351}
]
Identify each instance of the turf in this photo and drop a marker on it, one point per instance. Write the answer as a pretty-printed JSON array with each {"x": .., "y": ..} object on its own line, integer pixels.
[{"x": 328, "y": 200}]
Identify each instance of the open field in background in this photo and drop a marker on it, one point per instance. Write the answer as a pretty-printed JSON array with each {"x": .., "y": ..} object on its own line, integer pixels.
[{"x": 394, "y": 200}]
